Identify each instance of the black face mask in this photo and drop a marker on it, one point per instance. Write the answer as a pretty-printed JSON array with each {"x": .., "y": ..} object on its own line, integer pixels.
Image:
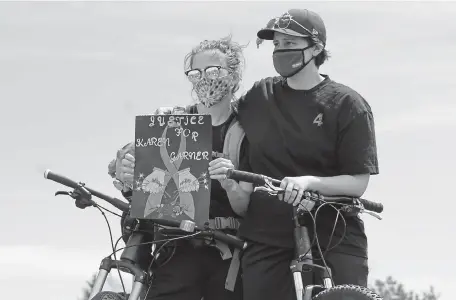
[{"x": 288, "y": 62}]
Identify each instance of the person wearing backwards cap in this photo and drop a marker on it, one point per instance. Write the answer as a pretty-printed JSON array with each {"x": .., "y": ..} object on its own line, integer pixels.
[{"x": 316, "y": 135}]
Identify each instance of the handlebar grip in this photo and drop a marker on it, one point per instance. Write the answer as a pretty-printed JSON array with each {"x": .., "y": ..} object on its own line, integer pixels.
[
  {"x": 372, "y": 206},
  {"x": 229, "y": 239},
  {"x": 336, "y": 198},
  {"x": 165, "y": 222},
  {"x": 48, "y": 174},
  {"x": 249, "y": 177}
]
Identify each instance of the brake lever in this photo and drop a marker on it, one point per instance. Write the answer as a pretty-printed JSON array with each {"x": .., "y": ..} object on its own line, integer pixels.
[
  {"x": 356, "y": 209},
  {"x": 371, "y": 213},
  {"x": 62, "y": 193},
  {"x": 82, "y": 196},
  {"x": 271, "y": 191},
  {"x": 261, "y": 189}
]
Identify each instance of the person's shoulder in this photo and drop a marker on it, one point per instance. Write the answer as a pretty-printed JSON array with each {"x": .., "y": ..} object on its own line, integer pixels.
[
  {"x": 348, "y": 98},
  {"x": 268, "y": 82},
  {"x": 254, "y": 98},
  {"x": 260, "y": 89}
]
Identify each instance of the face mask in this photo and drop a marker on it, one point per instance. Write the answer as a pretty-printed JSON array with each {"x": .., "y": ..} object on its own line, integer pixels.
[
  {"x": 212, "y": 91},
  {"x": 288, "y": 62}
]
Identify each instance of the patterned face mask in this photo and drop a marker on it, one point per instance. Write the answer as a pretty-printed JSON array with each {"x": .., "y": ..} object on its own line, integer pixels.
[{"x": 212, "y": 91}]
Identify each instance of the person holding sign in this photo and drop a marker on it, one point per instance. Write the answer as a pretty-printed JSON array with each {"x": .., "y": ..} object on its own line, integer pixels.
[
  {"x": 316, "y": 135},
  {"x": 214, "y": 69}
]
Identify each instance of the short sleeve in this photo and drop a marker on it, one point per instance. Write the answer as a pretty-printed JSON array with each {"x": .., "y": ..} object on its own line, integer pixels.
[
  {"x": 356, "y": 147},
  {"x": 244, "y": 164}
]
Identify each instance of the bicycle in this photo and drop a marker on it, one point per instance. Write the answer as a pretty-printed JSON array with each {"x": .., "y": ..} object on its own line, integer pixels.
[
  {"x": 303, "y": 260},
  {"x": 128, "y": 261}
]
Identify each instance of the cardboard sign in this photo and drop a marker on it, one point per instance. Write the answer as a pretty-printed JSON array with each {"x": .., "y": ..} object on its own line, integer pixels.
[{"x": 171, "y": 180}]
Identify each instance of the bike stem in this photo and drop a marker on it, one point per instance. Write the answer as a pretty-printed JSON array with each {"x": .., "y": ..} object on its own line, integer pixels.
[{"x": 303, "y": 261}]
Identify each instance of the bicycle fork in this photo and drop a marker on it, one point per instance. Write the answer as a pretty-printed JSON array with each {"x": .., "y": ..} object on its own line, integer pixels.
[
  {"x": 298, "y": 267},
  {"x": 303, "y": 262},
  {"x": 106, "y": 265},
  {"x": 126, "y": 263}
]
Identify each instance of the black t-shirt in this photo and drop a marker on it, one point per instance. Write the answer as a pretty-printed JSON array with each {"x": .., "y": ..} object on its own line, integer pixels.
[
  {"x": 220, "y": 205},
  {"x": 325, "y": 131}
]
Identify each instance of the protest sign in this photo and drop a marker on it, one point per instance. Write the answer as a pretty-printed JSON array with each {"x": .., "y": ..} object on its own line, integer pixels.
[{"x": 171, "y": 180}]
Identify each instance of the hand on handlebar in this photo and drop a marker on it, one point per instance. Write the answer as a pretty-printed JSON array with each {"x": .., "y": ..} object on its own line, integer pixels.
[
  {"x": 218, "y": 169},
  {"x": 294, "y": 188}
]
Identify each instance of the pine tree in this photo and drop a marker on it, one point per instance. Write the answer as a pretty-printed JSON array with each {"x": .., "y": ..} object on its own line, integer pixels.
[
  {"x": 88, "y": 289},
  {"x": 391, "y": 289}
]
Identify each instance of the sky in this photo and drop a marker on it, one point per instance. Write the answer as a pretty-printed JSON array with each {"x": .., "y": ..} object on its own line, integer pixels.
[{"x": 73, "y": 75}]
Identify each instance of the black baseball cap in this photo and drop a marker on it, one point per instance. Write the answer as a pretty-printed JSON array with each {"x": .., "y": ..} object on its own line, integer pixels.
[{"x": 296, "y": 22}]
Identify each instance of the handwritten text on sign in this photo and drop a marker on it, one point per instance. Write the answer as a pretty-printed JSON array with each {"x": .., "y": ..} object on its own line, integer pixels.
[{"x": 172, "y": 157}]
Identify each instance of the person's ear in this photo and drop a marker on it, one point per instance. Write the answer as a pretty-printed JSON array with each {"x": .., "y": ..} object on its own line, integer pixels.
[{"x": 317, "y": 49}]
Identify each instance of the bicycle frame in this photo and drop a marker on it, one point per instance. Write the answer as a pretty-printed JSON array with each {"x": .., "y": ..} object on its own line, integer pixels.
[{"x": 127, "y": 262}]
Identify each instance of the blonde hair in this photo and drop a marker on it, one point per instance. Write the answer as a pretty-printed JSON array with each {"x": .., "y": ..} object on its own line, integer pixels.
[{"x": 233, "y": 54}]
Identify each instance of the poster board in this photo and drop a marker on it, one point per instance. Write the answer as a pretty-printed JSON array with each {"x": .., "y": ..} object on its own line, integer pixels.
[{"x": 171, "y": 179}]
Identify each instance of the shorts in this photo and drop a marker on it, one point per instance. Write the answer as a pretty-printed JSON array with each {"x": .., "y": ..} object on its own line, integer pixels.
[
  {"x": 193, "y": 273},
  {"x": 266, "y": 273}
]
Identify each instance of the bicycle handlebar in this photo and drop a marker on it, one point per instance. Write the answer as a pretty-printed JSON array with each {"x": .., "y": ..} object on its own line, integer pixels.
[
  {"x": 262, "y": 180},
  {"x": 216, "y": 234},
  {"x": 48, "y": 174}
]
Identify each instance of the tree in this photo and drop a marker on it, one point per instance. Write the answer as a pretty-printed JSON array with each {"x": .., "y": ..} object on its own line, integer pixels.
[
  {"x": 390, "y": 289},
  {"x": 88, "y": 289}
]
